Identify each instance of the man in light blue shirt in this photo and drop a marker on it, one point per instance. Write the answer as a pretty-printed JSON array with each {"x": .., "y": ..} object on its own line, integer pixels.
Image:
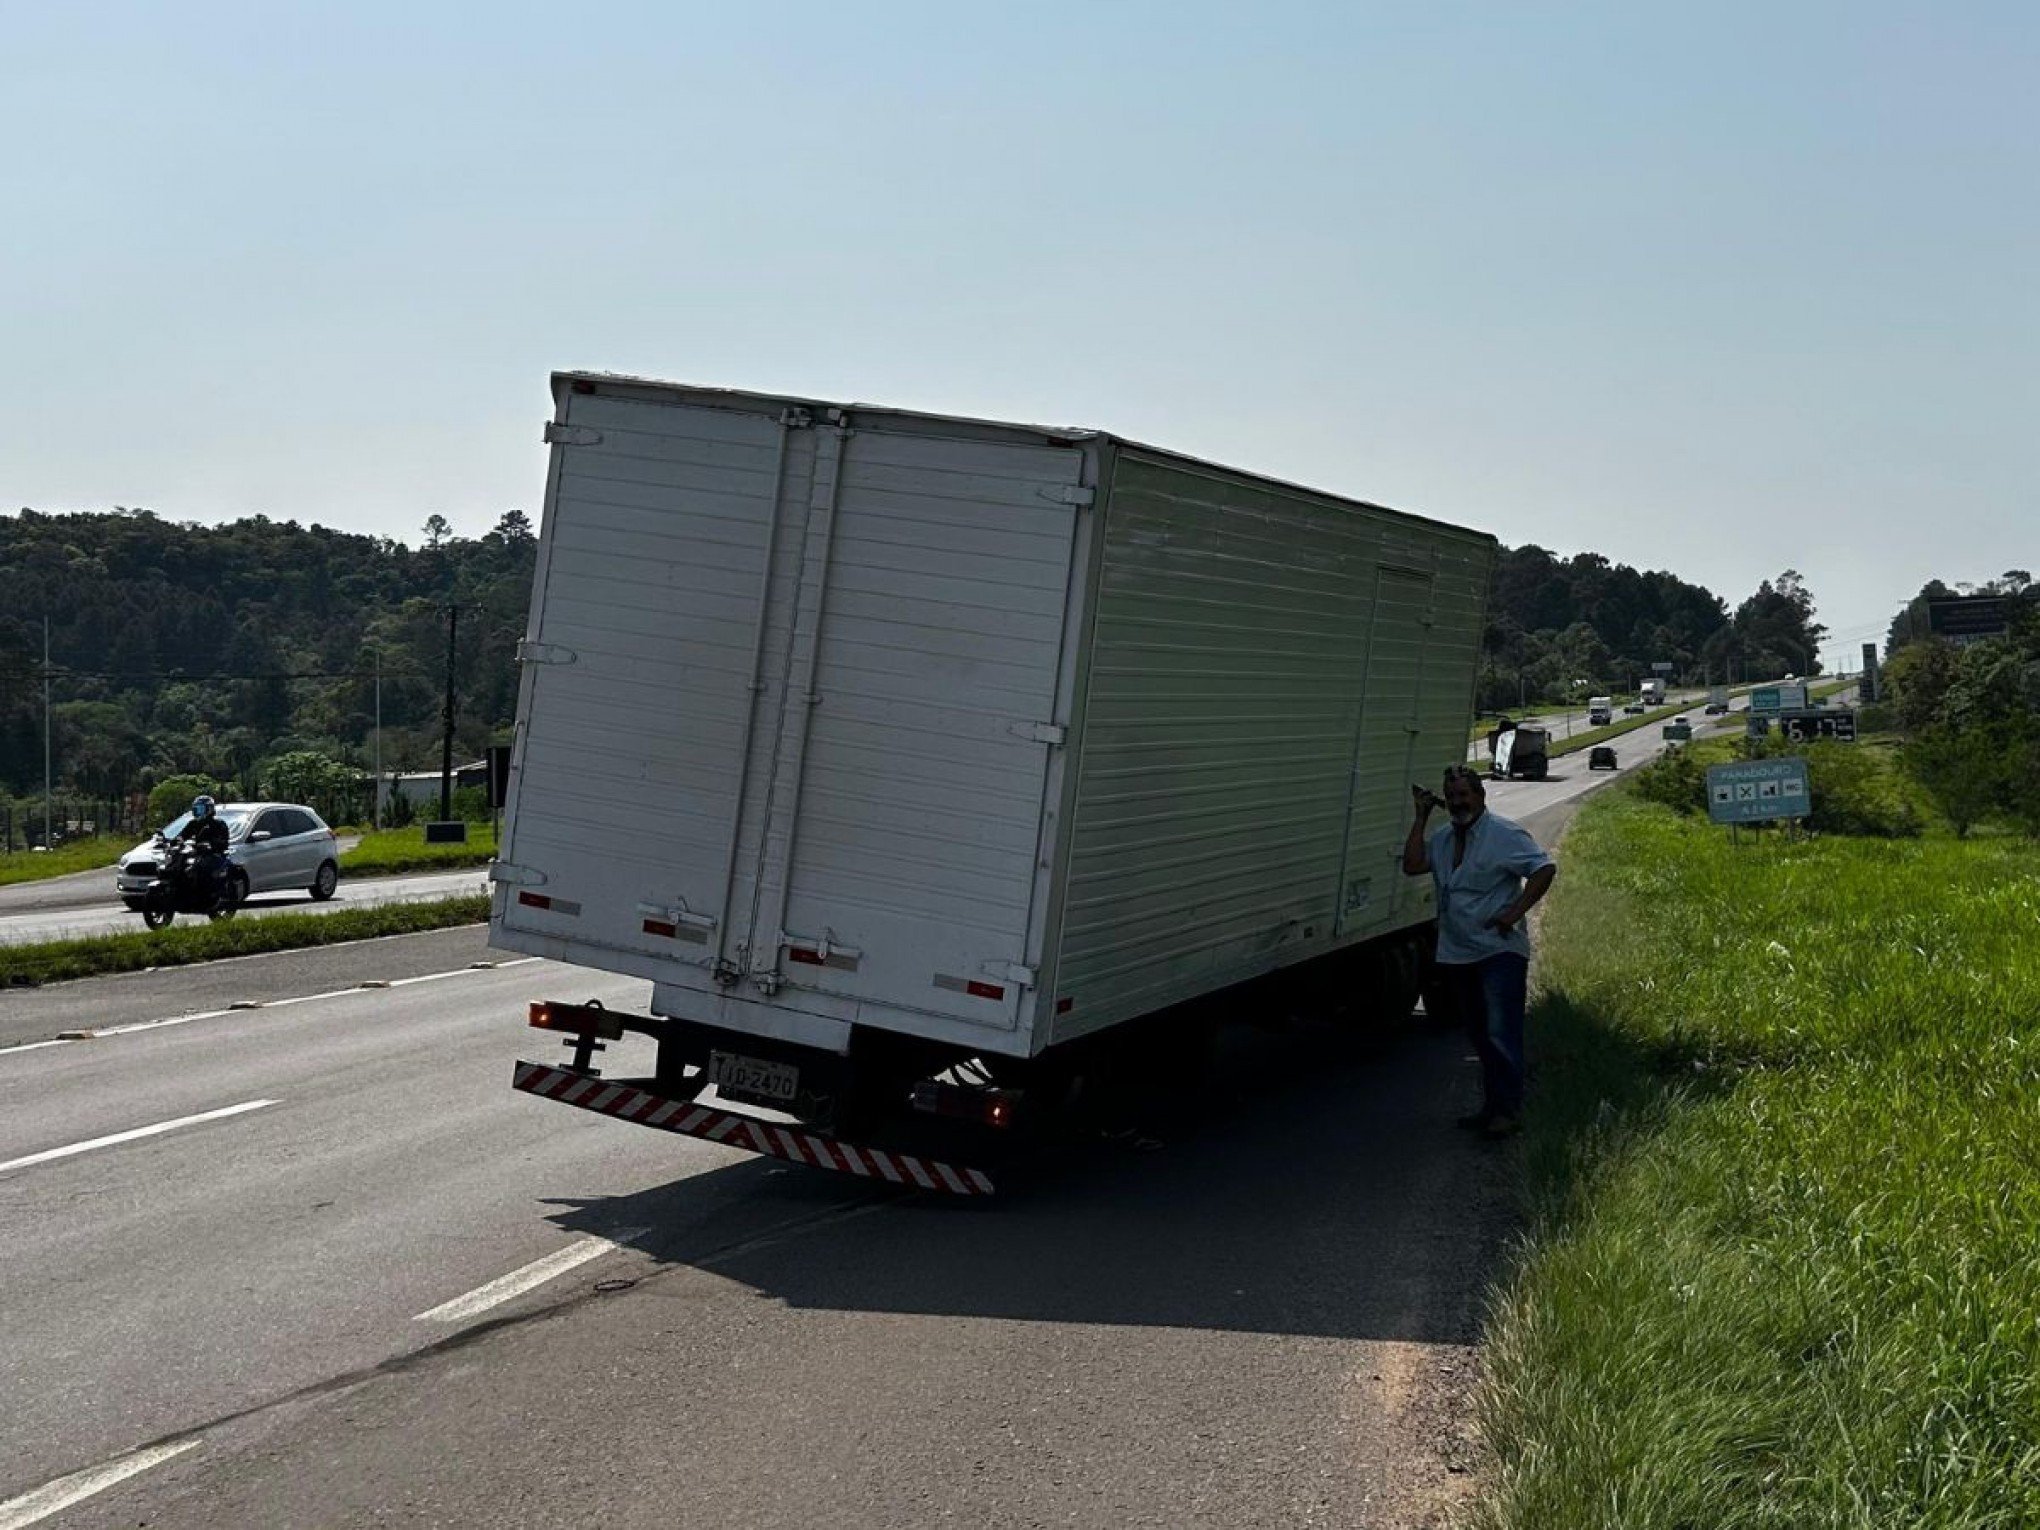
[{"x": 1489, "y": 873}]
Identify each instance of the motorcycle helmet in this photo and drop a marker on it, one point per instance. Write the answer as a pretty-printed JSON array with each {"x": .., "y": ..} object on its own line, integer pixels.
[{"x": 201, "y": 807}]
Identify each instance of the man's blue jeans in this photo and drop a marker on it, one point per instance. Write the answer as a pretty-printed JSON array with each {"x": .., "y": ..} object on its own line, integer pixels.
[{"x": 1491, "y": 995}]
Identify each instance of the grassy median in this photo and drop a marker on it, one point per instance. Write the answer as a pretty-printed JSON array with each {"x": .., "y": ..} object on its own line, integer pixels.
[
  {"x": 387, "y": 852},
  {"x": 1785, "y": 1166},
  {"x": 97, "y": 853},
  {"x": 196, "y": 940}
]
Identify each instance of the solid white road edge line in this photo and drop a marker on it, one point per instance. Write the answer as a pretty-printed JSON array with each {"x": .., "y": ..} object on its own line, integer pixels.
[
  {"x": 537, "y": 1273},
  {"x": 31, "y": 1046},
  {"x": 139, "y": 1132},
  {"x": 40, "y": 1503}
]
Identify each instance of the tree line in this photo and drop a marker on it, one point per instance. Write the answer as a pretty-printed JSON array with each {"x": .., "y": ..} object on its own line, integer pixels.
[
  {"x": 248, "y": 654},
  {"x": 1969, "y": 713},
  {"x": 1558, "y": 627},
  {"x": 221, "y": 651}
]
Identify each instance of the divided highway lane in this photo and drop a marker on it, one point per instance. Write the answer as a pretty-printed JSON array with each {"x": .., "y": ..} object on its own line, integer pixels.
[
  {"x": 349, "y": 1276},
  {"x": 22, "y": 919},
  {"x": 211, "y": 1218}
]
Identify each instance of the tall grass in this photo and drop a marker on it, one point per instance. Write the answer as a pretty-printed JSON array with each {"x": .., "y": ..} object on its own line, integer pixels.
[
  {"x": 1785, "y": 1259},
  {"x": 388, "y": 851}
]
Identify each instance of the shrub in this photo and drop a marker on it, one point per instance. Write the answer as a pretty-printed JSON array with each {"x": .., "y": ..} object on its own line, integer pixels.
[
  {"x": 471, "y": 804},
  {"x": 1854, "y": 792},
  {"x": 1675, "y": 779},
  {"x": 170, "y": 797},
  {"x": 1964, "y": 773}
]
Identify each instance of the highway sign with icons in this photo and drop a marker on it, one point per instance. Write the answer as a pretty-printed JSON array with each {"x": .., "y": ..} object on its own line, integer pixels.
[
  {"x": 1754, "y": 790},
  {"x": 1662, "y": 668}
]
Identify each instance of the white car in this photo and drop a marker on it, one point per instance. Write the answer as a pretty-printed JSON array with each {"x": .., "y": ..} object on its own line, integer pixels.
[{"x": 271, "y": 846}]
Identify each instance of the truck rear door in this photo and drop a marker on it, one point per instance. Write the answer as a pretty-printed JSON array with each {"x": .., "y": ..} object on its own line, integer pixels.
[{"x": 790, "y": 705}]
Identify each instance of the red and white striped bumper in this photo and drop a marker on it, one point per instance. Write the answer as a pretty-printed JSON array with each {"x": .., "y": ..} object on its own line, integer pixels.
[{"x": 628, "y": 1103}]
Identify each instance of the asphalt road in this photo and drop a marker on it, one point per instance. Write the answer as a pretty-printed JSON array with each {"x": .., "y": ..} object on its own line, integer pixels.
[
  {"x": 1562, "y": 725},
  {"x": 86, "y": 904},
  {"x": 254, "y": 1257}
]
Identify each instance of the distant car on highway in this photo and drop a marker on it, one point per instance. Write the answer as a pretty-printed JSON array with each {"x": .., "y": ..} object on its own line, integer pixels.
[
  {"x": 1716, "y": 708},
  {"x": 1601, "y": 757},
  {"x": 1634, "y": 706},
  {"x": 271, "y": 847}
]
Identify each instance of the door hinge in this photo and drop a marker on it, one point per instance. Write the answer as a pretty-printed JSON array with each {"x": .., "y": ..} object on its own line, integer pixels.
[
  {"x": 529, "y": 652},
  {"x": 1011, "y": 972},
  {"x": 557, "y": 434},
  {"x": 1054, "y": 734},
  {"x": 515, "y": 876},
  {"x": 1070, "y": 494}
]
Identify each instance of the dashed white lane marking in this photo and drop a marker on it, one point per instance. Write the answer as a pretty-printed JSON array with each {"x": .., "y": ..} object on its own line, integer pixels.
[
  {"x": 214, "y": 1014},
  {"x": 139, "y": 1132},
  {"x": 42, "y": 1502},
  {"x": 537, "y": 1273}
]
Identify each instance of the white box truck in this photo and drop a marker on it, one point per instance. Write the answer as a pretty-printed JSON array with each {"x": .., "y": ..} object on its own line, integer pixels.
[
  {"x": 1600, "y": 711},
  {"x": 1651, "y": 693},
  {"x": 921, "y": 762}
]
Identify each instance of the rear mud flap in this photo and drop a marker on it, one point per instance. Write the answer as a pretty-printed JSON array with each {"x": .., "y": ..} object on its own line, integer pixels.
[{"x": 645, "y": 1107}]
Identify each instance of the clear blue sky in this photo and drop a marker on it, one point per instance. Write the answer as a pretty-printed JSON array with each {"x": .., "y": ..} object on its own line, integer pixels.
[{"x": 1711, "y": 288}]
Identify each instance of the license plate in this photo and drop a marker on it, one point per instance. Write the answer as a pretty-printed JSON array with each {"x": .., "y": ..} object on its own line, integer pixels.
[{"x": 753, "y": 1076}]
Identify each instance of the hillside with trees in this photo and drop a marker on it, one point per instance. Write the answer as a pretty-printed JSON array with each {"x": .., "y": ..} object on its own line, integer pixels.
[
  {"x": 179, "y": 649},
  {"x": 1553, "y": 622},
  {"x": 248, "y": 653}
]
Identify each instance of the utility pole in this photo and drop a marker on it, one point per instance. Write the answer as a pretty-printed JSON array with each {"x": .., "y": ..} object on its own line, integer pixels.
[
  {"x": 446, "y": 747},
  {"x": 49, "y": 795},
  {"x": 375, "y": 801}
]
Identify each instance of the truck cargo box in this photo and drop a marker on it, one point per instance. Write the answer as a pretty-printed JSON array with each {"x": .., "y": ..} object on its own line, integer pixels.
[{"x": 836, "y": 716}]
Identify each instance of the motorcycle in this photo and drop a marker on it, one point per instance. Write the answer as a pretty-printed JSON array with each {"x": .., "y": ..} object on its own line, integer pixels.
[{"x": 180, "y": 887}]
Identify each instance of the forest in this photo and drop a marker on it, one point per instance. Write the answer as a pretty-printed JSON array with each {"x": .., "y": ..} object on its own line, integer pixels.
[
  {"x": 250, "y": 652},
  {"x": 220, "y": 651}
]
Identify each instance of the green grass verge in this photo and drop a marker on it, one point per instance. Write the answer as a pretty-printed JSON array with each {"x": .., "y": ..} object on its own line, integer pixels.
[
  {"x": 95, "y": 854},
  {"x": 185, "y": 943},
  {"x": 1781, "y": 1271},
  {"x": 394, "y": 850}
]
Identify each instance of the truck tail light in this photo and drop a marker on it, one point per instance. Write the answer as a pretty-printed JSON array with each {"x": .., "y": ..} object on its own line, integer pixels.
[
  {"x": 987, "y": 1107},
  {"x": 579, "y": 1019}
]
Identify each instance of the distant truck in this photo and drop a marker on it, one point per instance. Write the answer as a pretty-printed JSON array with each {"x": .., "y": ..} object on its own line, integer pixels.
[
  {"x": 1652, "y": 692},
  {"x": 1519, "y": 750},
  {"x": 1600, "y": 711},
  {"x": 928, "y": 768}
]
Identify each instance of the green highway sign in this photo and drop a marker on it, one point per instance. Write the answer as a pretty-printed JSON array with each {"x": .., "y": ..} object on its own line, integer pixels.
[
  {"x": 1778, "y": 698},
  {"x": 1754, "y": 790}
]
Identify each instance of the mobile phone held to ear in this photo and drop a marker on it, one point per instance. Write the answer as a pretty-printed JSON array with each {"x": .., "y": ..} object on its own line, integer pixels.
[{"x": 1426, "y": 797}]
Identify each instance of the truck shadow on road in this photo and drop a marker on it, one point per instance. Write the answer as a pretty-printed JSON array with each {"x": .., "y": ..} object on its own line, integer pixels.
[{"x": 1320, "y": 1190}]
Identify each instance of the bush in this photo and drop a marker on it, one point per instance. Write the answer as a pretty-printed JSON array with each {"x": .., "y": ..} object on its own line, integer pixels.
[
  {"x": 173, "y": 796},
  {"x": 1855, "y": 792},
  {"x": 471, "y": 804},
  {"x": 1675, "y": 779},
  {"x": 1964, "y": 773}
]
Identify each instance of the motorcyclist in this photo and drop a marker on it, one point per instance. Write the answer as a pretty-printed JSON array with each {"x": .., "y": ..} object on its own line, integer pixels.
[{"x": 206, "y": 832}]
